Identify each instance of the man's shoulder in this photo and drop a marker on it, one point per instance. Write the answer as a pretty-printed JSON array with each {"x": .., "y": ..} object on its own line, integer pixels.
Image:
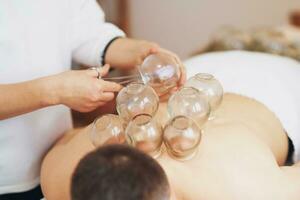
[{"x": 61, "y": 161}]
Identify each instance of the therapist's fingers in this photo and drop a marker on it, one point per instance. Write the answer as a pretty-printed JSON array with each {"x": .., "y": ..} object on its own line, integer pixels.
[
  {"x": 101, "y": 96},
  {"x": 182, "y": 79},
  {"x": 106, "y": 96},
  {"x": 104, "y": 70},
  {"x": 93, "y": 106},
  {"x": 154, "y": 49},
  {"x": 166, "y": 97},
  {"x": 108, "y": 86}
]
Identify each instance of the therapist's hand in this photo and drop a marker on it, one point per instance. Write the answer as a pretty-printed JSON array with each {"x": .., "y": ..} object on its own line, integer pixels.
[
  {"x": 126, "y": 53},
  {"x": 82, "y": 91}
]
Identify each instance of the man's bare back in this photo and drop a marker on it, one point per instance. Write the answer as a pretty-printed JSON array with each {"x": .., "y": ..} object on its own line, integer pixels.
[{"x": 239, "y": 157}]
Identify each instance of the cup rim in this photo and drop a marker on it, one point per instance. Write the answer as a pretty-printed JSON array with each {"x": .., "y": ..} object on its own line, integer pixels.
[
  {"x": 204, "y": 76},
  {"x": 105, "y": 115},
  {"x": 143, "y": 123}
]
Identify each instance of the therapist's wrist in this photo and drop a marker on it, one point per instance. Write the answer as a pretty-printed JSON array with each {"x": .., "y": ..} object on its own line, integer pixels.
[
  {"x": 104, "y": 56},
  {"x": 112, "y": 52},
  {"x": 49, "y": 91}
]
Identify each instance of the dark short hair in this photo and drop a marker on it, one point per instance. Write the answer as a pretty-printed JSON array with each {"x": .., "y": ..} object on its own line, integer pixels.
[{"x": 119, "y": 172}]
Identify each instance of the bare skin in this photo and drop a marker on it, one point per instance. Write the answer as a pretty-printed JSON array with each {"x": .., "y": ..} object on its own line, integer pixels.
[{"x": 241, "y": 156}]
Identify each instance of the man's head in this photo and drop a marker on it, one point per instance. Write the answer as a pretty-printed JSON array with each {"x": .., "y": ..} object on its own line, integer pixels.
[{"x": 119, "y": 172}]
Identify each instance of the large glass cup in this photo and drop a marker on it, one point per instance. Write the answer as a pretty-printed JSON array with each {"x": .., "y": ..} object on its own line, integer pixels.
[
  {"x": 108, "y": 129},
  {"x": 182, "y": 137},
  {"x": 135, "y": 99},
  {"x": 145, "y": 134},
  {"x": 189, "y": 102},
  {"x": 210, "y": 86},
  {"x": 160, "y": 71}
]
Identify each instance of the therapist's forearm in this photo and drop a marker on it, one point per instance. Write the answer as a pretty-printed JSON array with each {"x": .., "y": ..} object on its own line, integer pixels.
[
  {"x": 20, "y": 98},
  {"x": 80, "y": 90}
]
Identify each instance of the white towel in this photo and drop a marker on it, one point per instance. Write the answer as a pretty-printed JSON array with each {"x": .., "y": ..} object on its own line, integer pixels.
[{"x": 272, "y": 80}]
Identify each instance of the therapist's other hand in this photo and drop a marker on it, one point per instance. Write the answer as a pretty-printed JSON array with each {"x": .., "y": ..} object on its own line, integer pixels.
[
  {"x": 126, "y": 53},
  {"x": 82, "y": 91}
]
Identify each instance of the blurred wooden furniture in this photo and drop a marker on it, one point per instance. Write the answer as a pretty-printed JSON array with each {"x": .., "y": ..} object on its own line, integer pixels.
[
  {"x": 117, "y": 12},
  {"x": 295, "y": 18}
]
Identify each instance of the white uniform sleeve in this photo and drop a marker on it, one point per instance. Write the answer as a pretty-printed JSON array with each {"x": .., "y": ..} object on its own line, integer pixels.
[{"x": 90, "y": 33}]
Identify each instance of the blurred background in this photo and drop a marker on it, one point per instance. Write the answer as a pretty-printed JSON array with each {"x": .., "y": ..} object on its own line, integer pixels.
[{"x": 189, "y": 26}]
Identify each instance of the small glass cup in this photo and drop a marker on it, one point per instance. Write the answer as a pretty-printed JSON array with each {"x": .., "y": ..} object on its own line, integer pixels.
[
  {"x": 135, "y": 99},
  {"x": 160, "y": 71},
  {"x": 210, "y": 86},
  {"x": 108, "y": 129},
  {"x": 182, "y": 136},
  {"x": 189, "y": 102},
  {"x": 145, "y": 134}
]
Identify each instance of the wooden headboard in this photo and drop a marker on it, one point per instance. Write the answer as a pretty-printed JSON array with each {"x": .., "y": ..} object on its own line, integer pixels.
[
  {"x": 295, "y": 18},
  {"x": 117, "y": 12}
]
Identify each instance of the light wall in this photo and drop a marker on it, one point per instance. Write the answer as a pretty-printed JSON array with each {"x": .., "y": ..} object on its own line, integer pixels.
[{"x": 185, "y": 26}]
